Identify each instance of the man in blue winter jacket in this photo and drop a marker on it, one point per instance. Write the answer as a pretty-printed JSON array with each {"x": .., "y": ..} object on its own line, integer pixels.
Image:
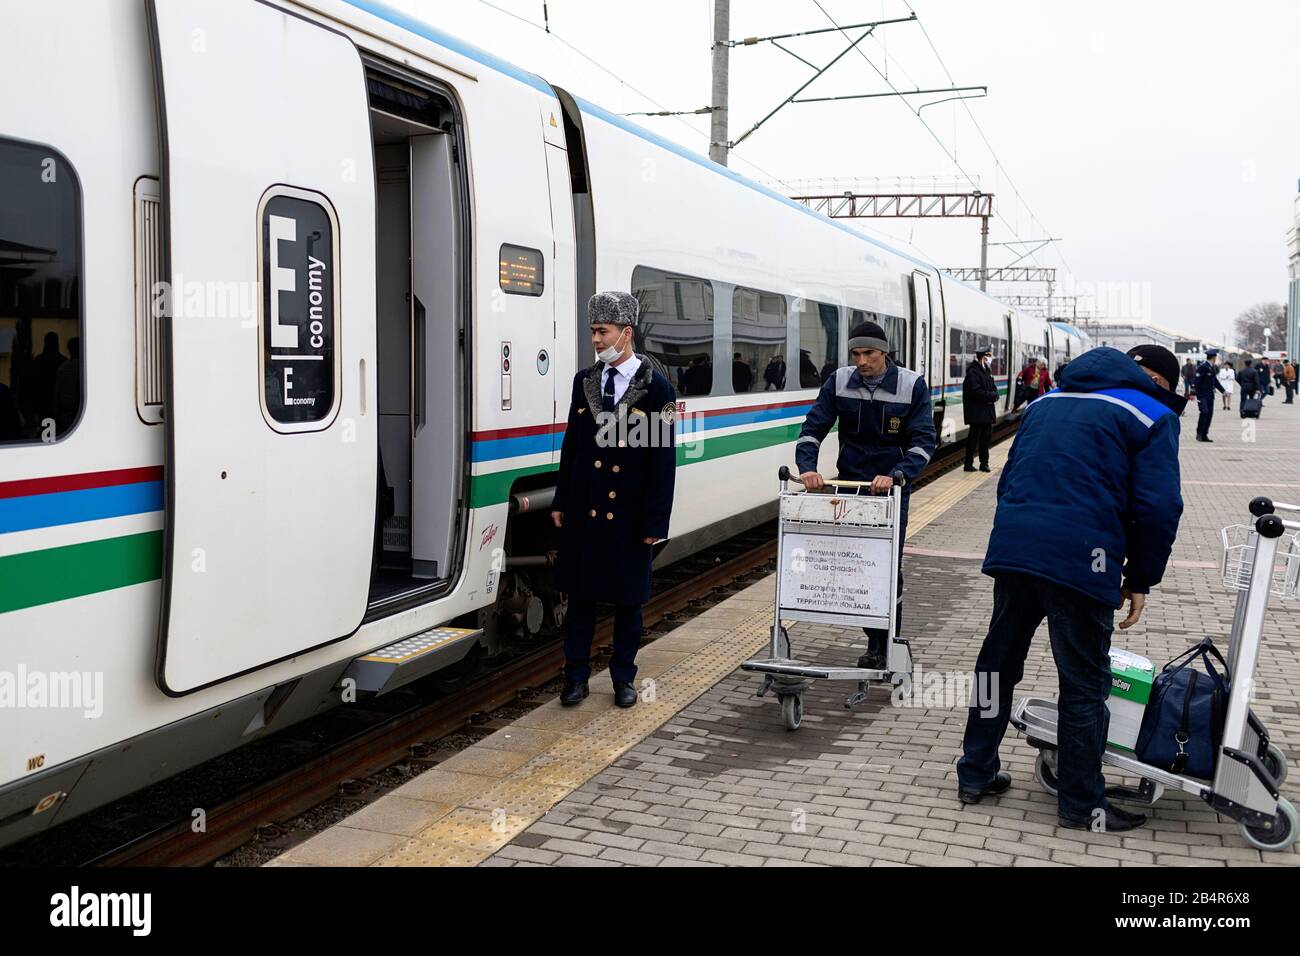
[
  {"x": 1088, "y": 507},
  {"x": 886, "y": 427}
]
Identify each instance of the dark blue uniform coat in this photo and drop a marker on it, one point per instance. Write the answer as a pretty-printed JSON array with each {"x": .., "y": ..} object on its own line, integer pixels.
[
  {"x": 1206, "y": 381},
  {"x": 892, "y": 430},
  {"x": 1090, "y": 496},
  {"x": 614, "y": 496}
]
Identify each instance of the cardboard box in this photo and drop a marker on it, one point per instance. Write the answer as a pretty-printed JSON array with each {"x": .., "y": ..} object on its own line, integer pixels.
[{"x": 1130, "y": 689}]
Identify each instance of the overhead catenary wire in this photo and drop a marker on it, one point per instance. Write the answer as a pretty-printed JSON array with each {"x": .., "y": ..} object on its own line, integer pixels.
[
  {"x": 1002, "y": 170},
  {"x": 935, "y": 136},
  {"x": 664, "y": 111}
]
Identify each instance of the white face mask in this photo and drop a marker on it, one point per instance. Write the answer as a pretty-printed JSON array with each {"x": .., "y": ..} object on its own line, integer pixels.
[{"x": 611, "y": 352}]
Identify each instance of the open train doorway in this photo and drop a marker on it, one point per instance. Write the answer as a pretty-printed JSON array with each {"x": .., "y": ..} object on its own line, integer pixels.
[{"x": 420, "y": 325}]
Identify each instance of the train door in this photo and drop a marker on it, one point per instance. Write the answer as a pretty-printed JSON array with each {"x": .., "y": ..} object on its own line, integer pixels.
[
  {"x": 921, "y": 300},
  {"x": 560, "y": 363},
  {"x": 267, "y": 183},
  {"x": 1005, "y": 362}
]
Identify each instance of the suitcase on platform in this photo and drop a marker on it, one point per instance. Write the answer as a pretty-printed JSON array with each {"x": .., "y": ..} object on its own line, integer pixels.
[{"x": 1250, "y": 407}]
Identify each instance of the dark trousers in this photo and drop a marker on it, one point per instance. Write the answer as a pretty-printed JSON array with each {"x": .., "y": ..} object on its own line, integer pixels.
[
  {"x": 1080, "y": 630},
  {"x": 1290, "y": 393},
  {"x": 1206, "y": 403},
  {"x": 977, "y": 441},
  {"x": 580, "y": 628}
]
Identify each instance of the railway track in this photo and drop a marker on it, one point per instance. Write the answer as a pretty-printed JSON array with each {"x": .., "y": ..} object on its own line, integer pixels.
[{"x": 235, "y": 821}]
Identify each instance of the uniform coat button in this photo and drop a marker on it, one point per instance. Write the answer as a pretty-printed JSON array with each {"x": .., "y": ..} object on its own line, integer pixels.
[
  {"x": 593, "y": 513},
  {"x": 597, "y": 463},
  {"x": 616, "y": 469},
  {"x": 609, "y": 516},
  {"x": 613, "y": 494}
]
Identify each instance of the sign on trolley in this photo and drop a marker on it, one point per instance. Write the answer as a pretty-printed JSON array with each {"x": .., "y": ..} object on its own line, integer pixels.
[{"x": 838, "y": 561}]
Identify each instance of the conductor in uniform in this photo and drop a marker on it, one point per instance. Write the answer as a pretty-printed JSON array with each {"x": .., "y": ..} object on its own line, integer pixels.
[
  {"x": 979, "y": 394},
  {"x": 1206, "y": 381},
  {"x": 613, "y": 494},
  {"x": 886, "y": 427}
]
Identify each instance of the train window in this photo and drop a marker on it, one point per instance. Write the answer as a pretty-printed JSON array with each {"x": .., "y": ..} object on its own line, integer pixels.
[
  {"x": 676, "y": 327},
  {"x": 758, "y": 324},
  {"x": 819, "y": 342},
  {"x": 895, "y": 330},
  {"x": 956, "y": 354},
  {"x": 41, "y": 323}
]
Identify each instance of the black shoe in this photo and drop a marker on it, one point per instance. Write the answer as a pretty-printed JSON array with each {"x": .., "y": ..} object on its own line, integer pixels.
[
  {"x": 625, "y": 695},
  {"x": 1208, "y": 438},
  {"x": 985, "y": 468},
  {"x": 1117, "y": 821},
  {"x": 574, "y": 692},
  {"x": 872, "y": 661},
  {"x": 969, "y": 468},
  {"x": 999, "y": 785}
]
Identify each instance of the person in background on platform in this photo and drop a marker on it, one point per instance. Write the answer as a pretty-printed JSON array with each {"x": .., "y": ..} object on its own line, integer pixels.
[
  {"x": 828, "y": 369},
  {"x": 1228, "y": 380},
  {"x": 1189, "y": 378},
  {"x": 613, "y": 494},
  {"x": 1248, "y": 379},
  {"x": 1288, "y": 381},
  {"x": 886, "y": 427},
  {"x": 742, "y": 376},
  {"x": 1034, "y": 379},
  {"x": 774, "y": 374},
  {"x": 979, "y": 396},
  {"x": 1206, "y": 382},
  {"x": 1262, "y": 369},
  {"x": 1110, "y": 546}
]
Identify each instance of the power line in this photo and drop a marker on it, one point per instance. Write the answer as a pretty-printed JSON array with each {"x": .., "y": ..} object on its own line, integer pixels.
[
  {"x": 997, "y": 162},
  {"x": 917, "y": 113},
  {"x": 645, "y": 96}
]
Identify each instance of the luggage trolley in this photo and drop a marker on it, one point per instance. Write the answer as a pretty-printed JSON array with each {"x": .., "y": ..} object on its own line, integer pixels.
[
  {"x": 837, "y": 563},
  {"x": 1259, "y": 560}
]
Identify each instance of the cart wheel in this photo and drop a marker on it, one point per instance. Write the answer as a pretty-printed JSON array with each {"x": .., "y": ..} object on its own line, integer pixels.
[
  {"x": 1045, "y": 770},
  {"x": 792, "y": 711},
  {"x": 1280, "y": 837},
  {"x": 1275, "y": 763}
]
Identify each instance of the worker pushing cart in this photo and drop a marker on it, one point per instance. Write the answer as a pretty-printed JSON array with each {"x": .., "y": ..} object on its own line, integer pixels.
[
  {"x": 1249, "y": 769},
  {"x": 837, "y": 563}
]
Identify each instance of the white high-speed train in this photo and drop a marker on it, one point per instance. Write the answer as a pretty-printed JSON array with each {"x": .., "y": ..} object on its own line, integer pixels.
[{"x": 291, "y": 296}]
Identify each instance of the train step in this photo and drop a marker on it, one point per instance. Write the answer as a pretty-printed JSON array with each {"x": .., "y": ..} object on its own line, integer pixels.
[{"x": 411, "y": 658}]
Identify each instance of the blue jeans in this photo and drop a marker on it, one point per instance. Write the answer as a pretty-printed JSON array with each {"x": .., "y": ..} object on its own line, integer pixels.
[
  {"x": 1080, "y": 630},
  {"x": 580, "y": 628}
]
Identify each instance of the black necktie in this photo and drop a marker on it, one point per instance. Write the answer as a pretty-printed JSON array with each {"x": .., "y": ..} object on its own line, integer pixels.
[{"x": 607, "y": 402}]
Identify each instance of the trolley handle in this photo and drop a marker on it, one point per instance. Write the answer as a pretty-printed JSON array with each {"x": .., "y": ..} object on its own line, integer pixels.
[
  {"x": 785, "y": 474},
  {"x": 1266, "y": 506}
]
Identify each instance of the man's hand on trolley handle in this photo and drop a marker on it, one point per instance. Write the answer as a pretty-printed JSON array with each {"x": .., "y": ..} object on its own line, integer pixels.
[
  {"x": 558, "y": 518},
  {"x": 813, "y": 481},
  {"x": 1136, "y": 603}
]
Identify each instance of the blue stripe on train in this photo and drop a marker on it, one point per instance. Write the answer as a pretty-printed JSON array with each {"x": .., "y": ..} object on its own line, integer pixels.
[{"x": 72, "y": 507}]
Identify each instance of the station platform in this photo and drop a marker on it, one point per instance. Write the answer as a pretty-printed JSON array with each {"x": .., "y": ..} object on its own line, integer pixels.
[{"x": 705, "y": 773}]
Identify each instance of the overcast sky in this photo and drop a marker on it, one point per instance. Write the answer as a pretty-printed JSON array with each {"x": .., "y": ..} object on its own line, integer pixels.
[{"x": 1159, "y": 140}]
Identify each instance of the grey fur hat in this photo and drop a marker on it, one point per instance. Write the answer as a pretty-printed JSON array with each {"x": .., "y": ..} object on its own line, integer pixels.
[{"x": 613, "y": 308}]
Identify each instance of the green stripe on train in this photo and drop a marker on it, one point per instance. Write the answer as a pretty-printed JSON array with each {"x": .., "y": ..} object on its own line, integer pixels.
[
  {"x": 75, "y": 570},
  {"x": 494, "y": 488}
]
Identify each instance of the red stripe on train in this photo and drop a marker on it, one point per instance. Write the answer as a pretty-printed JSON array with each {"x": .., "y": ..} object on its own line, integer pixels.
[{"x": 92, "y": 479}]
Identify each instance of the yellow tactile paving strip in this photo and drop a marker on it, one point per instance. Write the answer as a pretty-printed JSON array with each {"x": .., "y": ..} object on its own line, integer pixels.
[{"x": 474, "y": 803}]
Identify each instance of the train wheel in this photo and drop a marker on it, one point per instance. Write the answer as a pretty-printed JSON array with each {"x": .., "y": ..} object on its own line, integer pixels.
[{"x": 457, "y": 676}]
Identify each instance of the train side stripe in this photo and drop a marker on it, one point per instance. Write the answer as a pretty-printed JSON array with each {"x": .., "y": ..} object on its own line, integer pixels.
[
  {"x": 73, "y": 507},
  {"x": 92, "y": 479},
  {"x": 494, "y": 488},
  {"x": 57, "y": 574}
]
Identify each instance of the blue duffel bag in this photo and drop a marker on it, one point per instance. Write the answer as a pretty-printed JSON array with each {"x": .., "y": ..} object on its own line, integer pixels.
[{"x": 1183, "y": 724}]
